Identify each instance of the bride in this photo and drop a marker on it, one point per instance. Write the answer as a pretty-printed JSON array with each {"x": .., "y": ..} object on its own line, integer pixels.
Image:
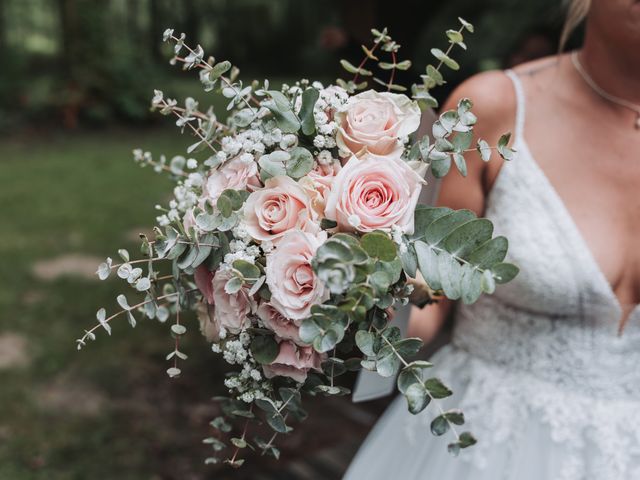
[{"x": 546, "y": 370}]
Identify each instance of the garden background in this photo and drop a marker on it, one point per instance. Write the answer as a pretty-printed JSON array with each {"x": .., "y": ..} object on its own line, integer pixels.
[{"x": 76, "y": 78}]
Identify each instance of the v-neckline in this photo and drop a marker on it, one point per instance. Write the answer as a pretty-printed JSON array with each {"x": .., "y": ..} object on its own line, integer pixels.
[{"x": 578, "y": 236}]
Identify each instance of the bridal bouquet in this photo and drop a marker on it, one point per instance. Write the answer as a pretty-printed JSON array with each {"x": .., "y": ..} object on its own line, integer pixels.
[{"x": 294, "y": 230}]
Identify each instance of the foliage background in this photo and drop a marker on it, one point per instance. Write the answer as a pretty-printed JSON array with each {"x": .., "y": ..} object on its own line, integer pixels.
[{"x": 76, "y": 77}]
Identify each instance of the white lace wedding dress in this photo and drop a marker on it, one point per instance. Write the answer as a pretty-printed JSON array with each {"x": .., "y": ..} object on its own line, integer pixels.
[{"x": 547, "y": 385}]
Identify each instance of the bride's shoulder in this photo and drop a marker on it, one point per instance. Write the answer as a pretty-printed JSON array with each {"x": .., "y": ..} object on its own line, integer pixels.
[
  {"x": 493, "y": 94},
  {"x": 494, "y": 101},
  {"x": 493, "y": 98}
]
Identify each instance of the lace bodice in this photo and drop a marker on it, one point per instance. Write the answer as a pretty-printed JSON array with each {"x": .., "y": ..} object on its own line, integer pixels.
[{"x": 548, "y": 341}]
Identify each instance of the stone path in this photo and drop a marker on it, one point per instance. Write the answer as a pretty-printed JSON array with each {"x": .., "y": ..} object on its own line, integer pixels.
[
  {"x": 67, "y": 395},
  {"x": 13, "y": 351},
  {"x": 73, "y": 264}
]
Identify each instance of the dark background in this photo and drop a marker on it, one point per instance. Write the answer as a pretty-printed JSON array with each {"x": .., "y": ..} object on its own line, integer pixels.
[{"x": 76, "y": 77}]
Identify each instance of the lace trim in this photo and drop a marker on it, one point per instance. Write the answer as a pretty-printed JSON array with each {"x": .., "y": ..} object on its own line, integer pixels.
[
  {"x": 596, "y": 439},
  {"x": 575, "y": 353}
]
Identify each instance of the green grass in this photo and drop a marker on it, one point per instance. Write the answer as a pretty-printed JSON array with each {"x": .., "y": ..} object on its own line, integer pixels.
[{"x": 109, "y": 411}]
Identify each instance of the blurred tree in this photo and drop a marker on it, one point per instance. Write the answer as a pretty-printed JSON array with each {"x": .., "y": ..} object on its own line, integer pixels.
[
  {"x": 155, "y": 28},
  {"x": 3, "y": 31},
  {"x": 101, "y": 59}
]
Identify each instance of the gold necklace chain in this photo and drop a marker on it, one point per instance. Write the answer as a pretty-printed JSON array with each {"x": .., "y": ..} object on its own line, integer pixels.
[{"x": 603, "y": 93}]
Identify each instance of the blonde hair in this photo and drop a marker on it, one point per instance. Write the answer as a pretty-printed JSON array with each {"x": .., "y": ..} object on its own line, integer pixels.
[{"x": 576, "y": 13}]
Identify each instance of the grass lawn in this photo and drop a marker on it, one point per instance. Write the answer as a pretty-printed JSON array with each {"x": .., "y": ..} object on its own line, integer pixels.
[
  {"x": 92, "y": 414},
  {"x": 108, "y": 412}
]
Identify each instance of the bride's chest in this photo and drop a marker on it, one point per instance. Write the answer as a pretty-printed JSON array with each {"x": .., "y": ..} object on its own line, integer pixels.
[
  {"x": 570, "y": 242},
  {"x": 598, "y": 184}
]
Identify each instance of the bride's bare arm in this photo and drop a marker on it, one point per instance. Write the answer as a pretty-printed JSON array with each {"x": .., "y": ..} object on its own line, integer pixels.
[{"x": 494, "y": 105}]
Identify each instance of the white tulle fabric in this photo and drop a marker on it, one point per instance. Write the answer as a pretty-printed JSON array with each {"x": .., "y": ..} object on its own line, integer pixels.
[{"x": 548, "y": 387}]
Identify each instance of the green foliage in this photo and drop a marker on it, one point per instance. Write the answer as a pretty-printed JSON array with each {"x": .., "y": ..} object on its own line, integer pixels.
[
  {"x": 457, "y": 254},
  {"x": 309, "y": 98},
  {"x": 264, "y": 349},
  {"x": 282, "y": 111}
]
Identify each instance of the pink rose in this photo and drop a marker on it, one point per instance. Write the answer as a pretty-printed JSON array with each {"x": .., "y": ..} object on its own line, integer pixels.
[
  {"x": 374, "y": 121},
  {"x": 374, "y": 194},
  {"x": 293, "y": 362},
  {"x": 318, "y": 182},
  {"x": 204, "y": 281},
  {"x": 293, "y": 283},
  {"x": 238, "y": 173},
  {"x": 282, "y": 326},
  {"x": 209, "y": 326},
  {"x": 230, "y": 310},
  {"x": 280, "y": 206}
]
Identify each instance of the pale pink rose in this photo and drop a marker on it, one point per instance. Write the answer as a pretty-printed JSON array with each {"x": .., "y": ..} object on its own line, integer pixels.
[
  {"x": 282, "y": 326},
  {"x": 318, "y": 182},
  {"x": 369, "y": 194},
  {"x": 204, "y": 281},
  {"x": 374, "y": 121},
  {"x": 218, "y": 308},
  {"x": 280, "y": 206},
  {"x": 209, "y": 326},
  {"x": 294, "y": 286},
  {"x": 230, "y": 311},
  {"x": 293, "y": 361},
  {"x": 237, "y": 174}
]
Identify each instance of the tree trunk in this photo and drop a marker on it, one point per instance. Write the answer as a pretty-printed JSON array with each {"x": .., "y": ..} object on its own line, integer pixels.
[
  {"x": 191, "y": 20},
  {"x": 155, "y": 28},
  {"x": 3, "y": 27},
  {"x": 69, "y": 28}
]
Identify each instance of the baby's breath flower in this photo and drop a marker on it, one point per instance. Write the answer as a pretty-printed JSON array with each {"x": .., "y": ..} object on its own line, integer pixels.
[
  {"x": 319, "y": 141},
  {"x": 192, "y": 163},
  {"x": 320, "y": 118},
  {"x": 325, "y": 157}
]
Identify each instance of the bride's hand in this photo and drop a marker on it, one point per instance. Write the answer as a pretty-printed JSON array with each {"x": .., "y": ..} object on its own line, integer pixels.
[
  {"x": 422, "y": 294},
  {"x": 425, "y": 322}
]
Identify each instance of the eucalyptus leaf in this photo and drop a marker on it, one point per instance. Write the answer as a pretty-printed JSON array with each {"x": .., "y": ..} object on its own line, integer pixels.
[
  {"x": 387, "y": 362},
  {"x": 300, "y": 163},
  {"x": 484, "y": 150},
  {"x": 437, "y": 389},
  {"x": 444, "y": 58},
  {"x": 450, "y": 272},
  {"x": 379, "y": 245},
  {"x": 417, "y": 397},
  {"x": 309, "y": 98},
  {"x": 365, "y": 342},
  {"x": 504, "y": 272},
  {"x": 439, "y": 425},
  {"x": 264, "y": 349}
]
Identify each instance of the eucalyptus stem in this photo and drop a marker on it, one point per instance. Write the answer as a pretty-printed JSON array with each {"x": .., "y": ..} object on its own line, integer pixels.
[
  {"x": 205, "y": 65},
  {"x": 164, "y": 167},
  {"x": 133, "y": 307},
  {"x": 432, "y": 399},
  {"x": 244, "y": 434},
  {"x": 269, "y": 443},
  {"x": 376, "y": 43},
  {"x": 133, "y": 262},
  {"x": 195, "y": 130},
  {"x": 393, "y": 71},
  {"x": 451, "y": 44},
  {"x": 177, "y": 337}
]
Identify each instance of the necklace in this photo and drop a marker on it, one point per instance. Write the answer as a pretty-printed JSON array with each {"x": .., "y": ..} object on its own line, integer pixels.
[{"x": 604, "y": 94}]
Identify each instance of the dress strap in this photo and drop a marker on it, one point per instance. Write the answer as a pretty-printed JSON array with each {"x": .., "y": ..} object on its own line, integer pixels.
[{"x": 520, "y": 103}]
